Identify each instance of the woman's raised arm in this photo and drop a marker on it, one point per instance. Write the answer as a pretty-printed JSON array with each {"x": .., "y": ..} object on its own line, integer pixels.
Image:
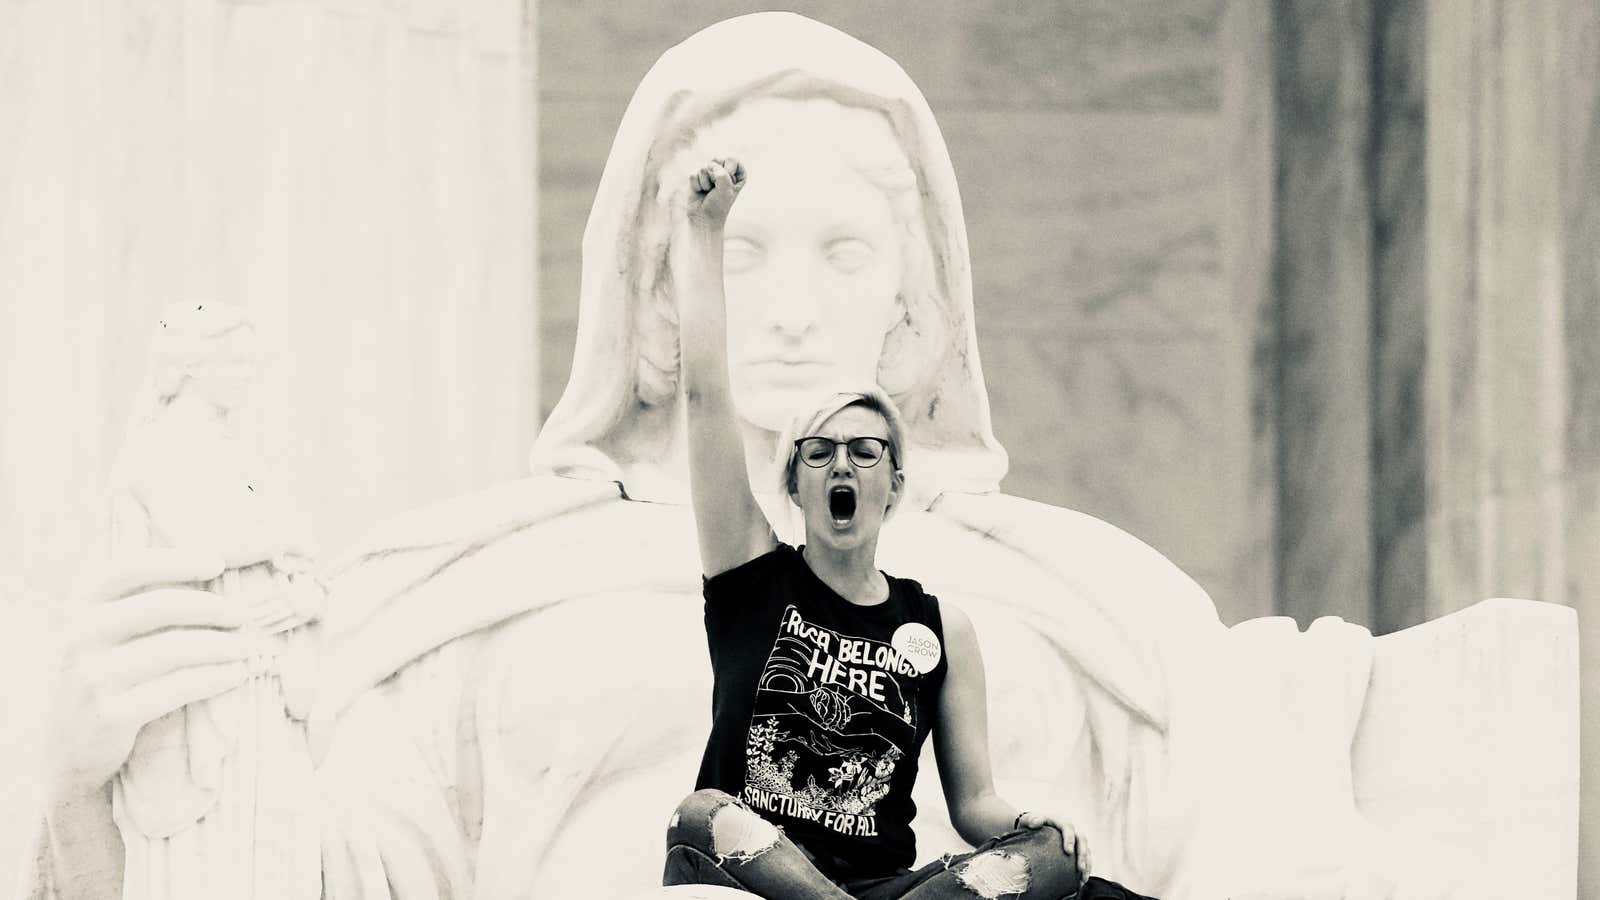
[{"x": 731, "y": 527}]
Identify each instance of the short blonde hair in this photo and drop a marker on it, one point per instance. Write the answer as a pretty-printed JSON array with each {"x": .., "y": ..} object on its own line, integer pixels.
[{"x": 807, "y": 423}]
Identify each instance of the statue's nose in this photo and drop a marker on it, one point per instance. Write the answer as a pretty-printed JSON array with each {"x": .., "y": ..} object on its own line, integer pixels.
[
  {"x": 795, "y": 315},
  {"x": 794, "y": 305}
]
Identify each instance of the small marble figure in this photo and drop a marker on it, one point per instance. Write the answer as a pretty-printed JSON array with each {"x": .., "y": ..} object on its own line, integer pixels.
[{"x": 216, "y": 799}]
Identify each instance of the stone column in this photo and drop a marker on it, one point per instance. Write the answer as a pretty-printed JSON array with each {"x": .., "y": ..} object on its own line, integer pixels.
[
  {"x": 1248, "y": 254},
  {"x": 1579, "y": 55},
  {"x": 1512, "y": 391},
  {"x": 1493, "y": 394},
  {"x": 1324, "y": 310},
  {"x": 1396, "y": 176}
]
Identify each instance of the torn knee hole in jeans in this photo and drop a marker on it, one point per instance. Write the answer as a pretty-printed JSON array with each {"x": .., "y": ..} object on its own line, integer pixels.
[
  {"x": 739, "y": 834},
  {"x": 995, "y": 873}
]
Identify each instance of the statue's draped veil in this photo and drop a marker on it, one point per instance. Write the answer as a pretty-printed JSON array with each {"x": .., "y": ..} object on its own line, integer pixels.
[{"x": 601, "y": 429}]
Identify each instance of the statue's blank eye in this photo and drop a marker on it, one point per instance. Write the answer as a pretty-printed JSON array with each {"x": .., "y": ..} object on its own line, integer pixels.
[
  {"x": 740, "y": 254},
  {"x": 849, "y": 255}
]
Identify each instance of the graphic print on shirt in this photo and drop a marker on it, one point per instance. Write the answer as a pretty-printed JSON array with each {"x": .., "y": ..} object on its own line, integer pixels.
[{"x": 833, "y": 715}]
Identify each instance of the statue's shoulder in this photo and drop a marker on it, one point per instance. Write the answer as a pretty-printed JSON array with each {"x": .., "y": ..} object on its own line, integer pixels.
[
  {"x": 1096, "y": 557},
  {"x": 468, "y": 567},
  {"x": 1022, "y": 522},
  {"x": 474, "y": 518},
  {"x": 408, "y": 551}
]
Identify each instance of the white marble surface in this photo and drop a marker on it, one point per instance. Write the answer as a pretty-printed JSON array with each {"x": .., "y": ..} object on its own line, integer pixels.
[{"x": 1470, "y": 736}]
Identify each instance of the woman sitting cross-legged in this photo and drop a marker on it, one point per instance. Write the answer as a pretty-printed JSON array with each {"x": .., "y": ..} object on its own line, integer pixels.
[{"x": 828, "y": 673}]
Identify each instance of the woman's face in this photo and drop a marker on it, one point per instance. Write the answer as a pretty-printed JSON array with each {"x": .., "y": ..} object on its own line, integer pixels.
[
  {"x": 812, "y": 269},
  {"x": 845, "y": 502}
]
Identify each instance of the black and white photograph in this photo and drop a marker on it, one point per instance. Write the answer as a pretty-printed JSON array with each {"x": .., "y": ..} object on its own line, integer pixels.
[{"x": 702, "y": 450}]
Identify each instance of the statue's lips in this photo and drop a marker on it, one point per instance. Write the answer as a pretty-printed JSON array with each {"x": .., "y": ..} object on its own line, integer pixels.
[{"x": 786, "y": 371}]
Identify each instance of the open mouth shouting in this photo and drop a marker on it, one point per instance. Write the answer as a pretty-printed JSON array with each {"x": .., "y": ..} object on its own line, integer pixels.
[{"x": 842, "y": 505}]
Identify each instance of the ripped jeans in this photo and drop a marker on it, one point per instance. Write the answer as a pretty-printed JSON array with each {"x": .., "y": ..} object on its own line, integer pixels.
[{"x": 715, "y": 839}]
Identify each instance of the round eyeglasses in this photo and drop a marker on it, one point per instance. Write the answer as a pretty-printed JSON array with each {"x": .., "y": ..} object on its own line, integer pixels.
[{"x": 818, "y": 452}]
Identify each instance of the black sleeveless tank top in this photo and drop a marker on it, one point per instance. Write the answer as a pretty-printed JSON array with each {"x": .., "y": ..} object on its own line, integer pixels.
[{"x": 820, "y": 707}]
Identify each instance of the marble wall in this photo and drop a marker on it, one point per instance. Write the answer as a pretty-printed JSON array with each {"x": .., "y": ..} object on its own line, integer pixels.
[
  {"x": 1321, "y": 376},
  {"x": 1396, "y": 173},
  {"x": 1435, "y": 274}
]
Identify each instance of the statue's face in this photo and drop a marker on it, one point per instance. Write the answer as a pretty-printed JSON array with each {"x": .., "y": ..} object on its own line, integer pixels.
[
  {"x": 224, "y": 376},
  {"x": 812, "y": 267}
]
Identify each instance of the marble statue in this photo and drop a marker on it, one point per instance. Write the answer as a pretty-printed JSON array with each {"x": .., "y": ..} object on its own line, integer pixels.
[
  {"x": 514, "y": 691},
  {"x": 225, "y": 781},
  {"x": 536, "y": 648}
]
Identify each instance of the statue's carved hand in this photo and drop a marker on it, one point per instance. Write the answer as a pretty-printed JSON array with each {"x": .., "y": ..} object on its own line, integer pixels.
[
  {"x": 712, "y": 190},
  {"x": 141, "y": 643}
]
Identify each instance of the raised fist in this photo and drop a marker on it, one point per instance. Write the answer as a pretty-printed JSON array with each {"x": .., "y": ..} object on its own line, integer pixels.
[{"x": 712, "y": 189}]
